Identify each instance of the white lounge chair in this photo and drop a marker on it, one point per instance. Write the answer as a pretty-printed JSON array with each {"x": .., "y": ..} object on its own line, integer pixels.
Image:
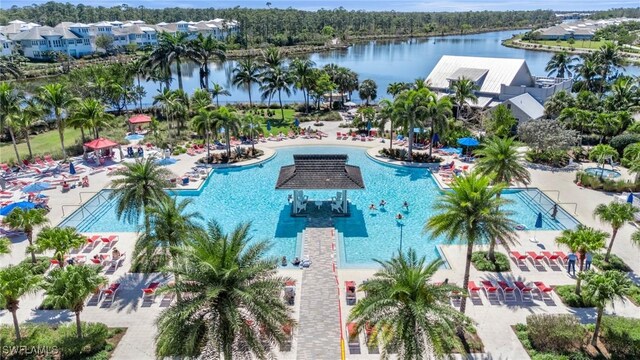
[
  {"x": 300, "y": 206},
  {"x": 336, "y": 206}
]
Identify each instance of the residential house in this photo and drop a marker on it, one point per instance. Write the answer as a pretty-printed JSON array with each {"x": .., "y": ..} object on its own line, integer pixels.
[{"x": 524, "y": 107}]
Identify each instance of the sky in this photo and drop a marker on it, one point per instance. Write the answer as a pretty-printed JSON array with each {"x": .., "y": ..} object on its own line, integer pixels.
[{"x": 373, "y": 5}]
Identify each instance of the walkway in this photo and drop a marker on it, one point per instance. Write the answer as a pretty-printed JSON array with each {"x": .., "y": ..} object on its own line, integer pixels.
[{"x": 319, "y": 331}]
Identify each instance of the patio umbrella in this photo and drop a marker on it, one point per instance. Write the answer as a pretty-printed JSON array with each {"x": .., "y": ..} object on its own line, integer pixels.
[
  {"x": 296, "y": 122},
  {"x": 72, "y": 169},
  {"x": 268, "y": 125},
  {"x": 538, "y": 225},
  {"x": 4, "y": 211},
  {"x": 630, "y": 198},
  {"x": 36, "y": 187},
  {"x": 467, "y": 141}
]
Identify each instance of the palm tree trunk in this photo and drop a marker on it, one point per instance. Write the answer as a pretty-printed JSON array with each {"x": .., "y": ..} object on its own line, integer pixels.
[
  {"x": 228, "y": 138},
  {"x": 596, "y": 330},
  {"x": 61, "y": 134},
  {"x": 410, "y": 155},
  {"x": 249, "y": 90},
  {"x": 26, "y": 137},
  {"x": 431, "y": 140},
  {"x": 206, "y": 74},
  {"x": 30, "y": 240},
  {"x": 217, "y": 100},
  {"x": 390, "y": 135},
  {"x": 465, "y": 279},
  {"x": 581, "y": 267},
  {"x": 281, "y": 108},
  {"x": 491, "y": 254},
  {"x": 179, "y": 73},
  {"x": 15, "y": 145},
  {"x": 613, "y": 237},
  {"x": 16, "y": 324},
  {"x": 78, "y": 325},
  {"x": 208, "y": 136}
]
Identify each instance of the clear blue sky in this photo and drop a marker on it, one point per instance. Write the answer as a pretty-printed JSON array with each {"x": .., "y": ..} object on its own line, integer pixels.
[{"x": 398, "y": 5}]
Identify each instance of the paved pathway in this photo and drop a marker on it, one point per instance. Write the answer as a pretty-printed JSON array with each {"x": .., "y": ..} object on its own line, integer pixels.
[{"x": 319, "y": 331}]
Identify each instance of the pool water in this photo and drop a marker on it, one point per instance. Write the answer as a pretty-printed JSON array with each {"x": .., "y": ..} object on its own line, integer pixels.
[
  {"x": 235, "y": 195},
  {"x": 134, "y": 137},
  {"x": 605, "y": 173}
]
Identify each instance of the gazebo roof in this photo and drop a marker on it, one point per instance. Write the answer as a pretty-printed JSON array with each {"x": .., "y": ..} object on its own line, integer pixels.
[
  {"x": 100, "y": 143},
  {"x": 320, "y": 172},
  {"x": 139, "y": 119}
]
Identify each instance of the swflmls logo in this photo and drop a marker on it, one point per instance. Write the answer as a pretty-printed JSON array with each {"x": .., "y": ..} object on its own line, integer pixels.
[{"x": 7, "y": 351}]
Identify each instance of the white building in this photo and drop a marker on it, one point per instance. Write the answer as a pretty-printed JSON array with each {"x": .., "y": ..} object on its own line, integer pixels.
[
  {"x": 498, "y": 79},
  {"x": 582, "y": 30},
  {"x": 524, "y": 107},
  {"x": 6, "y": 46},
  {"x": 38, "y": 42}
]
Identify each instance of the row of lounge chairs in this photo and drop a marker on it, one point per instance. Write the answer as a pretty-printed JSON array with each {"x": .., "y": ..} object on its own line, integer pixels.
[
  {"x": 493, "y": 290},
  {"x": 354, "y": 136},
  {"x": 552, "y": 258}
]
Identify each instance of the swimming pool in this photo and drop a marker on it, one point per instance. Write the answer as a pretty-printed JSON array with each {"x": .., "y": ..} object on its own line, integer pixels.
[
  {"x": 605, "y": 173},
  {"x": 134, "y": 137},
  {"x": 235, "y": 195}
]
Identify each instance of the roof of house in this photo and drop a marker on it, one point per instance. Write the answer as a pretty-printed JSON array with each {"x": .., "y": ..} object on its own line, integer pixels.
[
  {"x": 36, "y": 33},
  {"x": 554, "y": 31},
  {"x": 528, "y": 105},
  {"x": 468, "y": 73},
  {"x": 497, "y": 72},
  {"x": 318, "y": 172}
]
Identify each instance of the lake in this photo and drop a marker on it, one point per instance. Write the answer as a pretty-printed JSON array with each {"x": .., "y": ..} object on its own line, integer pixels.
[{"x": 383, "y": 61}]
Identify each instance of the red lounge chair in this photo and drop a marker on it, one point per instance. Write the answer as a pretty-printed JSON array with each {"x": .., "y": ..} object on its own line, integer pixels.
[
  {"x": 338, "y": 135},
  {"x": 550, "y": 257},
  {"x": 535, "y": 257},
  {"x": 508, "y": 292},
  {"x": 543, "y": 290},
  {"x": 518, "y": 258},
  {"x": 525, "y": 291},
  {"x": 49, "y": 160},
  {"x": 93, "y": 240},
  {"x": 489, "y": 289},
  {"x": 561, "y": 255},
  {"x": 350, "y": 290},
  {"x": 110, "y": 292},
  {"x": 109, "y": 241},
  {"x": 150, "y": 290},
  {"x": 473, "y": 289},
  {"x": 352, "y": 333},
  {"x": 102, "y": 260},
  {"x": 39, "y": 161}
]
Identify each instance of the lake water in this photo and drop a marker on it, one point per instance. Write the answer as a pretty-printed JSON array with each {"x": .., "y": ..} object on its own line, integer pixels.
[{"x": 383, "y": 61}]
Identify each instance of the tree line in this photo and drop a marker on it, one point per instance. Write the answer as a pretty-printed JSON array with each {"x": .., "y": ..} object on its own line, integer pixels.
[{"x": 291, "y": 26}]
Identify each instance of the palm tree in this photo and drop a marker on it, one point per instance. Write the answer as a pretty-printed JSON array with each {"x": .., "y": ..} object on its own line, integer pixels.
[
  {"x": 557, "y": 103},
  {"x": 500, "y": 160},
  {"x": 616, "y": 215},
  {"x": 172, "y": 228},
  {"x": 136, "y": 186},
  {"x": 201, "y": 99},
  {"x": 407, "y": 310},
  {"x": 246, "y": 73},
  {"x": 589, "y": 73},
  {"x": 166, "y": 100},
  {"x": 581, "y": 241},
  {"x": 15, "y": 282},
  {"x": 635, "y": 238},
  {"x": 368, "y": 91},
  {"x": 624, "y": 95},
  {"x": 609, "y": 57},
  {"x": 235, "y": 309},
  {"x": 252, "y": 127},
  {"x": 274, "y": 81},
  {"x": 471, "y": 213},
  {"x": 12, "y": 122},
  {"x": 68, "y": 288},
  {"x": 32, "y": 112},
  {"x": 218, "y": 90},
  {"x": 203, "y": 123},
  {"x": 172, "y": 48},
  {"x": 576, "y": 118},
  {"x": 396, "y": 88},
  {"x": 560, "y": 64},
  {"x": 437, "y": 113},
  {"x": 272, "y": 58},
  {"x": 463, "y": 90},
  {"x": 60, "y": 240},
  {"x": 226, "y": 119},
  {"x": 601, "y": 152},
  {"x": 93, "y": 115},
  {"x": 203, "y": 49},
  {"x": 411, "y": 107},
  {"x": 58, "y": 99},
  {"x": 139, "y": 68},
  {"x": 302, "y": 70},
  {"x": 602, "y": 288},
  {"x": 26, "y": 220},
  {"x": 10, "y": 100},
  {"x": 387, "y": 113}
]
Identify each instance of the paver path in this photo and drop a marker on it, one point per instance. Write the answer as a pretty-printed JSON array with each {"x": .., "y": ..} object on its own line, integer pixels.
[{"x": 319, "y": 326}]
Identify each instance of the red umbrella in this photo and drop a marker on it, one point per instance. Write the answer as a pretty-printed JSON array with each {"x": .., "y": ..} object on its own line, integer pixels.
[
  {"x": 100, "y": 143},
  {"x": 139, "y": 119}
]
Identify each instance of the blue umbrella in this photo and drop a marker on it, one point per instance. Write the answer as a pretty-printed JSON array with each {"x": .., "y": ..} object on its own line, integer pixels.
[
  {"x": 268, "y": 125},
  {"x": 4, "y": 211},
  {"x": 36, "y": 187},
  {"x": 630, "y": 198},
  {"x": 436, "y": 138},
  {"x": 296, "y": 122},
  {"x": 468, "y": 141},
  {"x": 538, "y": 224},
  {"x": 368, "y": 125},
  {"x": 72, "y": 169}
]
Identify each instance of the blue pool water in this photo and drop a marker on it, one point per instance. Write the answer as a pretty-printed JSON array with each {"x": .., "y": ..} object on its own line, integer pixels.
[
  {"x": 134, "y": 137},
  {"x": 231, "y": 196},
  {"x": 605, "y": 173}
]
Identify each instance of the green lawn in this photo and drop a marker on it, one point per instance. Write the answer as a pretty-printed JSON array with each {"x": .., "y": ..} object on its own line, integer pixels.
[
  {"x": 578, "y": 44},
  {"x": 41, "y": 144}
]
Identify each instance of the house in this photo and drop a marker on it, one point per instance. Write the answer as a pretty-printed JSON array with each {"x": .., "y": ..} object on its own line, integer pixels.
[
  {"x": 40, "y": 41},
  {"x": 581, "y": 30},
  {"x": 6, "y": 46},
  {"x": 524, "y": 107},
  {"x": 497, "y": 79}
]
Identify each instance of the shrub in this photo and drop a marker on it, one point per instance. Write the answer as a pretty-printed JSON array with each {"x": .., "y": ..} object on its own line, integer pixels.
[
  {"x": 481, "y": 262},
  {"x": 39, "y": 268},
  {"x": 596, "y": 183},
  {"x": 614, "y": 263},
  {"x": 561, "y": 334},
  {"x": 554, "y": 158},
  {"x": 401, "y": 154},
  {"x": 631, "y": 154},
  {"x": 567, "y": 294},
  {"x": 621, "y": 337},
  {"x": 620, "y": 142},
  {"x": 634, "y": 294}
]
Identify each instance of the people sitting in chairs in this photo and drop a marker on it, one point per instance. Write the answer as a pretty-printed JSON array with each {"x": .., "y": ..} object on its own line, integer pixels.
[
  {"x": 85, "y": 181},
  {"x": 42, "y": 205},
  {"x": 115, "y": 254},
  {"x": 295, "y": 262},
  {"x": 65, "y": 186},
  {"x": 140, "y": 152},
  {"x": 284, "y": 261}
]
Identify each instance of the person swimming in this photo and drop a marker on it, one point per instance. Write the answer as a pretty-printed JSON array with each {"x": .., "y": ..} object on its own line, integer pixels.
[
  {"x": 372, "y": 207},
  {"x": 405, "y": 205},
  {"x": 382, "y": 203}
]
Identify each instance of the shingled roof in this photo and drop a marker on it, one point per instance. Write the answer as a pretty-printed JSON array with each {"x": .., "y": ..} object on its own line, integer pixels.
[{"x": 320, "y": 172}]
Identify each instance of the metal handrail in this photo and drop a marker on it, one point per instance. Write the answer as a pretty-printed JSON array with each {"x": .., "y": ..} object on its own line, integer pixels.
[
  {"x": 555, "y": 191},
  {"x": 63, "y": 206},
  {"x": 575, "y": 206}
]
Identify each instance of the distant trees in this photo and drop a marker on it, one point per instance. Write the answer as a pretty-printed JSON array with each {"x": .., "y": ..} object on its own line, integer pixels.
[{"x": 104, "y": 42}]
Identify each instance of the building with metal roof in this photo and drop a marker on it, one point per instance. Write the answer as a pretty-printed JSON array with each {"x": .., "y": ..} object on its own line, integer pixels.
[{"x": 524, "y": 107}]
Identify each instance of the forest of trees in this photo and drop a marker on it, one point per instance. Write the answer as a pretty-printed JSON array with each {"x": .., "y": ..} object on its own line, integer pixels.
[
  {"x": 291, "y": 26},
  {"x": 616, "y": 13}
]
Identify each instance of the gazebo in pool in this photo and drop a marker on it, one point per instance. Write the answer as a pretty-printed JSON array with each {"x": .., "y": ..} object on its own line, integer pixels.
[{"x": 319, "y": 172}]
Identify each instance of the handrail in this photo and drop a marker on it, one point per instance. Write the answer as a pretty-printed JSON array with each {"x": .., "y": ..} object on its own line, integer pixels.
[
  {"x": 575, "y": 208},
  {"x": 63, "y": 206},
  {"x": 555, "y": 191}
]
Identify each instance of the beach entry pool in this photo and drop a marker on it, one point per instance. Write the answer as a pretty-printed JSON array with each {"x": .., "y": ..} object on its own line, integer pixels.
[{"x": 234, "y": 195}]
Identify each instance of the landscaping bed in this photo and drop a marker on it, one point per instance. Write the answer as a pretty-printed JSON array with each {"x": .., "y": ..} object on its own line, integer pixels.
[
  {"x": 481, "y": 262},
  {"x": 597, "y": 183},
  {"x": 418, "y": 157},
  {"x": 614, "y": 263},
  {"x": 567, "y": 293},
  {"x": 61, "y": 342}
]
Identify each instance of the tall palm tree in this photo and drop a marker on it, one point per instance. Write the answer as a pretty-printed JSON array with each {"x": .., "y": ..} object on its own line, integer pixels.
[
  {"x": 589, "y": 71},
  {"x": 136, "y": 186},
  {"x": 581, "y": 241},
  {"x": 203, "y": 49},
  {"x": 166, "y": 101},
  {"x": 92, "y": 114},
  {"x": 271, "y": 58},
  {"x": 408, "y": 311},
  {"x": 411, "y": 107},
  {"x": 173, "y": 227},
  {"x": 10, "y": 100},
  {"x": 252, "y": 127},
  {"x": 601, "y": 152},
  {"x": 437, "y": 113},
  {"x": 26, "y": 220},
  {"x": 602, "y": 288},
  {"x": 609, "y": 56},
  {"x": 616, "y": 215},
  {"x": 368, "y": 91},
  {"x": 463, "y": 90},
  {"x": 139, "y": 68},
  {"x": 68, "y": 288},
  {"x": 33, "y": 111},
  {"x": 560, "y": 64},
  {"x": 471, "y": 213},
  {"x": 172, "y": 48},
  {"x": 302, "y": 70},
  {"x": 387, "y": 114},
  {"x": 58, "y": 99},
  {"x": 246, "y": 73},
  {"x": 218, "y": 90},
  {"x": 396, "y": 88},
  {"x": 275, "y": 81},
  {"x": 500, "y": 160},
  {"x": 201, "y": 99},
  {"x": 235, "y": 309},
  {"x": 15, "y": 282},
  {"x": 226, "y": 119},
  {"x": 203, "y": 123},
  {"x": 60, "y": 240}
]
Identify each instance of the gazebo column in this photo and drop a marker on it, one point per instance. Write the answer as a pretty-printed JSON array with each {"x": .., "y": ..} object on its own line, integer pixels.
[{"x": 345, "y": 203}]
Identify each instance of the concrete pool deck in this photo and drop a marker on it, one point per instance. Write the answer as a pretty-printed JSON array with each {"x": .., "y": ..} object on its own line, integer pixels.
[{"x": 493, "y": 320}]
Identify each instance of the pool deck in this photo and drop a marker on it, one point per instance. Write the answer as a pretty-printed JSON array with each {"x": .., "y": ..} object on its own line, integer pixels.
[{"x": 494, "y": 320}]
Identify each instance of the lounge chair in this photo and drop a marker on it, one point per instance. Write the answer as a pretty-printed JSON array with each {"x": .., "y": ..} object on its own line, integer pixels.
[
  {"x": 338, "y": 135},
  {"x": 50, "y": 161},
  {"x": 350, "y": 290},
  {"x": 93, "y": 240},
  {"x": 508, "y": 292},
  {"x": 550, "y": 257},
  {"x": 353, "y": 338},
  {"x": 518, "y": 258},
  {"x": 543, "y": 290},
  {"x": 336, "y": 207},
  {"x": 473, "y": 289},
  {"x": 109, "y": 241},
  {"x": 290, "y": 292},
  {"x": 490, "y": 291},
  {"x": 561, "y": 255},
  {"x": 110, "y": 292},
  {"x": 524, "y": 290},
  {"x": 535, "y": 257},
  {"x": 116, "y": 263},
  {"x": 102, "y": 260},
  {"x": 150, "y": 291}
]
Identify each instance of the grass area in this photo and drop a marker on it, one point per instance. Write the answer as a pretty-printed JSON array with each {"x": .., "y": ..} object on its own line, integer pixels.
[
  {"x": 482, "y": 263},
  {"x": 278, "y": 125},
  {"x": 578, "y": 44},
  {"x": 45, "y": 143}
]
